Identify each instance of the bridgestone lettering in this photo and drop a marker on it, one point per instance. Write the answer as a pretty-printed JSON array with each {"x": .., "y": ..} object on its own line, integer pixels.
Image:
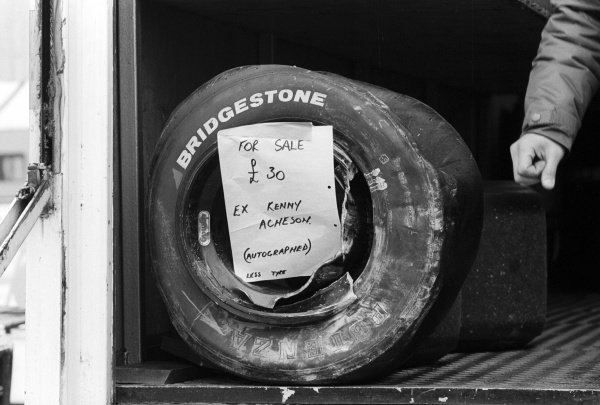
[{"x": 240, "y": 106}]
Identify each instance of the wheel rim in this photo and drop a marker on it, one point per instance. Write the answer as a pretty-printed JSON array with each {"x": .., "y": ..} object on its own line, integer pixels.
[{"x": 330, "y": 289}]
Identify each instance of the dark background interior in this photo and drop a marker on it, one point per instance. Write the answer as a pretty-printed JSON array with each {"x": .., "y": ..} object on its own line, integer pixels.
[{"x": 467, "y": 59}]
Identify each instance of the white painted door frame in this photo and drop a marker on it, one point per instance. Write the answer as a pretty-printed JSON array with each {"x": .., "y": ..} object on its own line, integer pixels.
[{"x": 70, "y": 268}]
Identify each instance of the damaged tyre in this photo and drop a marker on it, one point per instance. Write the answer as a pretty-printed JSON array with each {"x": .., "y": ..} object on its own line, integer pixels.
[{"x": 355, "y": 317}]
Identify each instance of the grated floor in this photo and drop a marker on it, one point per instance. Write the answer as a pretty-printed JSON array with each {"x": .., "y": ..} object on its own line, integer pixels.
[{"x": 566, "y": 355}]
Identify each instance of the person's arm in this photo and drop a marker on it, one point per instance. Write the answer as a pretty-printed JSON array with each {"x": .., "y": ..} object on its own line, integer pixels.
[{"x": 563, "y": 80}]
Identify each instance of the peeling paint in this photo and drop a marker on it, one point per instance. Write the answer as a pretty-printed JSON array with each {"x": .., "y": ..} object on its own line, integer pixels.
[
  {"x": 54, "y": 101},
  {"x": 443, "y": 399},
  {"x": 374, "y": 173},
  {"x": 315, "y": 389},
  {"x": 286, "y": 393},
  {"x": 375, "y": 182}
]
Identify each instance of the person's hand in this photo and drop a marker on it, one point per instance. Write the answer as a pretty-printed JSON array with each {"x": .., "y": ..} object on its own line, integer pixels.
[{"x": 536, "y": 157}]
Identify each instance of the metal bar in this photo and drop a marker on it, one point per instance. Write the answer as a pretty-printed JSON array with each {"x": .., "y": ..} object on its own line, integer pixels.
[
  {"x": 119, "y": 350},
  {"x": 19, "y": 222},
  {"x": 196, "y": 394},
  {"x": 128, "y": 202},
  {"x": 14, "y": 212}
]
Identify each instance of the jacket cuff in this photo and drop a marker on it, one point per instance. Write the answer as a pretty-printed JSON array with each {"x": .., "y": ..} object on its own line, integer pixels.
[
  {"x": 553, "y": 123},
  {"x": 556, "y": 136}
]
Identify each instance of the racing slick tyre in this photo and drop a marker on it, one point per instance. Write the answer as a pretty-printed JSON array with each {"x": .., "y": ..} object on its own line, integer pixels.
[
  {"x": 404, "y": 212},
  {"x": 444, "y": 148}
]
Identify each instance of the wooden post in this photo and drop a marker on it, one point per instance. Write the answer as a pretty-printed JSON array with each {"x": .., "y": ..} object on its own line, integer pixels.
[{"x": 69, "y": 273}]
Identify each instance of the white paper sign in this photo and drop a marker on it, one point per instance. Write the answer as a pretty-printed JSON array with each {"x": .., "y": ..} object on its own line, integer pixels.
[{"x": 279, "y": 189}]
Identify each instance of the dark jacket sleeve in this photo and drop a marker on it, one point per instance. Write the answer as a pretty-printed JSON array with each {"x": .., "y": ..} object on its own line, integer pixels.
[{"x": 566, "y": 71}]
